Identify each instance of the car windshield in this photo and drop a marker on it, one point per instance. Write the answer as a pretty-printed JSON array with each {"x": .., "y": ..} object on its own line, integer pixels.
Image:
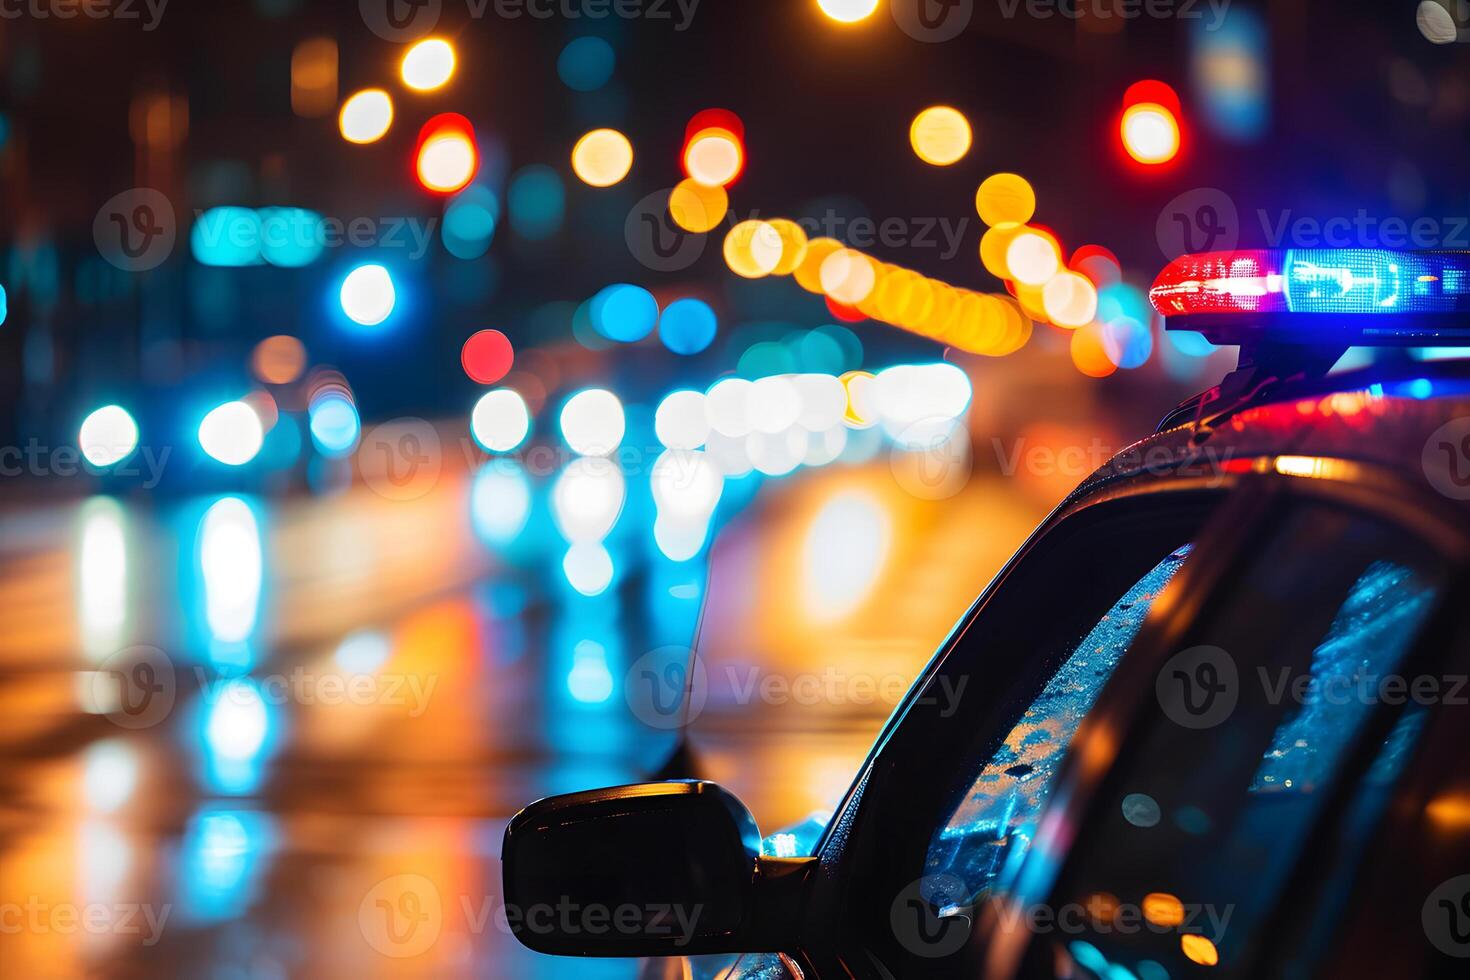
[{"x": 992, "y": 826}]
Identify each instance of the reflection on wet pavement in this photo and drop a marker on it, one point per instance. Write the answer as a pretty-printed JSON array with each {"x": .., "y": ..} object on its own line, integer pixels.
[{"x": 269, "y": 738}]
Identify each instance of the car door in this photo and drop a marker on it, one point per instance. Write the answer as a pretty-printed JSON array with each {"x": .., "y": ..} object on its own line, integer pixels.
[{"x": 994, "y": 794}]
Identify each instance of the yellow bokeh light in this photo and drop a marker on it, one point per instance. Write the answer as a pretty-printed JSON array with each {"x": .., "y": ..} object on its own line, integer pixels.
[
  {"x": 858, "y": 414},
  {"x": 993, "y": 245},
  {"x": 1163, "y": 909},
  {"x": 366, "y": 116},
  {"x": 752, "y": 249},
  {"x": 793, "y": 245},
  {"x": 848, "y": 11},
  {"x": 1005, "y": 198},
  {"x": 428, "y": 65},
  {"x": 848, "y": 276},
  {"x": 714, "y": 157},
  {"x": 447, "y": 162},
  {"x": 602, "y": 157},
  {"x": 940, "y": 135},
  {"x": 697, "y": 208},
  {"x": 809, "y": 273},
  {"x": 1032, "y": 259},
  {"x": 1150, "y": 133},
  {"x": 1090, "y": 353},
  {"x": 1069, "y": 299},
  {"x": 1199, "y": 949}
]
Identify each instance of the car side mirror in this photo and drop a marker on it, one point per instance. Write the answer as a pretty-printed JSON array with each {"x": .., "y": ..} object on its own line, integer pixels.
[{"x": 653, "y": 869}]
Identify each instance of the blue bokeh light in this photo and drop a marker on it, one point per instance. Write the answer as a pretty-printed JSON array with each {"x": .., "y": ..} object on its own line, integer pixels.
[
  {"x": 537, "y": 202},
  {"x": 688, "y": 326},
  {"x": 624, "y": 313},
  {"x": 586, "y": 64},
  {"x": 335, "y": 426}
]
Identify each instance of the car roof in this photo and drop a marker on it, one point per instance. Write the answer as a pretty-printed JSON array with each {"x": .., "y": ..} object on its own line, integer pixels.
[{"x": 1382, "y": 418}]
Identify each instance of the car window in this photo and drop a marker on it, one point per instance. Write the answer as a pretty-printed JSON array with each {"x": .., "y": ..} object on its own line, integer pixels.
[
  {"x": 1193, "y": 842},
  {"x": 994, "y": 821}
]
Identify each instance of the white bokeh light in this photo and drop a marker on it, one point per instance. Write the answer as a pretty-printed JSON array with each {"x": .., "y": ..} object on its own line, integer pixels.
[
  {"x": 587, "y": 499},
  {"x": 680, "y": 421},
  {"x": 500, "y": 421},
  {"x": 368, "y": 296},
  {"x": 109, "y": 435},
  {"x": 232, "y": 434},
  {"x": 592, "y": 422},
  {"x": 727, "y": 407}
]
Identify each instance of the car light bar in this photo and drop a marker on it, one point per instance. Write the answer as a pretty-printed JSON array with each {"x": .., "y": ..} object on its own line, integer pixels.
[{"x": 1350, "y": 295}]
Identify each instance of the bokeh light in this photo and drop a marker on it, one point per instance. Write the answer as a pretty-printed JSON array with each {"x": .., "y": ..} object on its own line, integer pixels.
[
  {"x": 537, "y": 202},
  {"x": 428, "y": 65},
  {"x": 624, "y": 313},
  {"x": 1150, "y": 133},
  {"x": 500, "y": 421},
  {"x": 602, "y": 157},
  {"x": 592, "y": 422},
  {"x": 470, "y": 218},
  {"x": 231, "y": 433},
  {"x": 687, "y": 326},
  {"x": 727, "y": 407},
  {"x": 447, "y": 158},
  {"x": 696, "y": 207},
  {"x": 586, "y": 64},
  {"x": 753, "y": 249},
  {"x": 589, "y": 569},
  {"x": 1089, "y": 351},
  {"x": 587, "y": 498},
  {"x": 366, "y": 116},
  {"x": 367, "y": 295},
  {"x": 1032, "y": 259},
  {"x": 278, "y": 360},
  {"x": 487, "y": 356},
  {"x": 848, "y": 11},
  {"x": 334, "y": 424},
  {"x": 1005, "y": 198},
  {"x": 793, "y": 245},
  {"x": 848, "y": 276},
  {"x": 940, "y": 135},
  {"x": 714, "y": 158},
  {"x": 108, "y": 436},
  {"x": 680, "y": 421},
  {"x": 1069, "y": 299}
]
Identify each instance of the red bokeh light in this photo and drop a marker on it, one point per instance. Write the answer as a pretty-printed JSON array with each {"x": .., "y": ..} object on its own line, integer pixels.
[
  {"x": 487, "y": 357},
  {"x": 845, "y": 313}
]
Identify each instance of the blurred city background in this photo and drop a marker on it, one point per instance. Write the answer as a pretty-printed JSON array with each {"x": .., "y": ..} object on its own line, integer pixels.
[{"x": 390, "y": 394}]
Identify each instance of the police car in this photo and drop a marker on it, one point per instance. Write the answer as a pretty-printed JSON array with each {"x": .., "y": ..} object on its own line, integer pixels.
[{"x": 1224, "y": 719}]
